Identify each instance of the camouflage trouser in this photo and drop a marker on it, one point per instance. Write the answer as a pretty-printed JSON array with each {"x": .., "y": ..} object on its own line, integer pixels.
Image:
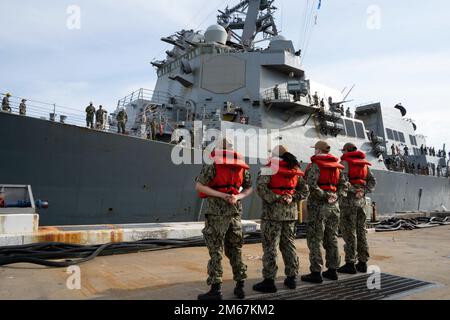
[
  {"x": 353, "y": 229},
  {"x": 121, "y": 127},
  {"x": 90, "y": 121},
  {"x": 224, "y": 232},
  {"x": 279, "y": 234},
  {"x": 154, "y": 132},
  {"x": 323, "y": 223}
]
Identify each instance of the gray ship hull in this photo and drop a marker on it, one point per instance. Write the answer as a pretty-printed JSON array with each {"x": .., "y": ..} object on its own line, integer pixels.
[{"x": 92, "y": 177}]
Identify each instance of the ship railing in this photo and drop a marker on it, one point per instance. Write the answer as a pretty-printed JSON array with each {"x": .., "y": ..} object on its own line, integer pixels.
[
  {"x": 155, "y": 97},
  {"x": 48, "y": 111},
  {"x": 283, "y": 95}
]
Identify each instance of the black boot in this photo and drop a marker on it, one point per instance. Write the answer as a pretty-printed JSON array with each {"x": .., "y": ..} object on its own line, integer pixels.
[
  {"x": 348, "y": 268},
  {"x": 267, "y": 286},
  {"x": 214, "y": 294},
  {"x": 291, "y": 283},
  {"x": 239, "y": 290},
  {"x": 330, "y": 274},
  {"x": 361, "y": 267},
  {"x": 314, "y": 277}
]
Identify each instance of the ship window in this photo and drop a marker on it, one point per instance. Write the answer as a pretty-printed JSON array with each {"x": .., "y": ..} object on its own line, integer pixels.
[
  {"x": 207, "y": 50},
  {"x": 360, "y": 130},
  {"x": 396, "y": 136},
  {"x": 413, "y": 140},
  {"x": 390, "y": 134},
  {"x": 350, "y": 128},
  {"x": 402, "y": 137},
  {"x": 341, "y": 122}
]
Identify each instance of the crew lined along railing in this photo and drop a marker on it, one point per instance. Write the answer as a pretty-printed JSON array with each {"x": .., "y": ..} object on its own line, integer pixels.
[
  {"x": 282, "y": 94},
  {"x": 45, "y": 110}
]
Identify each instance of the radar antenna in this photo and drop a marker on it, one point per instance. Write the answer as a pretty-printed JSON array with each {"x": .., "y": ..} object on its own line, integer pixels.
[{"x": 252, "y": 17}]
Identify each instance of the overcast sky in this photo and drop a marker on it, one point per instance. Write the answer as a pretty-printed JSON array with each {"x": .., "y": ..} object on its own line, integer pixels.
[{"x": 394, "y": 51}]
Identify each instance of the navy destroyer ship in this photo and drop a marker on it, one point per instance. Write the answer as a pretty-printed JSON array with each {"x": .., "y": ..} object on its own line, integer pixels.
[{"x": 241, "y": 75}]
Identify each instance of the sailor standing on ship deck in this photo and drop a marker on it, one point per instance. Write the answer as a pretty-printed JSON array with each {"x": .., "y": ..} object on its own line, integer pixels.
[
  {"x": 5, "y": 103},
  {"x": 224, "y": 184},
  {"x": 353, "y": 218},
  {"x": 276, "y": 92},
  {"x": 326, "y": 185},
  {"x": 316, "y": 99},
  {"x": 23, "y": 108},
  {"x": 348, "y": 113},
  {"x": 153, "y": 129},
  {"x": 100, "y": 118},
  {"x": 90, "y": 112},
  {"x": 122, "y": 119}
]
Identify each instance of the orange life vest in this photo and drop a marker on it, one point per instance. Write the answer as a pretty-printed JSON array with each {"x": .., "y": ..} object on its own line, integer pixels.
[
  {"x": 357, "y": 167},
  {"x": 230, "y": 168},
  {"x": 330, "y": 171},
  {"x": 285, "y": 180}
]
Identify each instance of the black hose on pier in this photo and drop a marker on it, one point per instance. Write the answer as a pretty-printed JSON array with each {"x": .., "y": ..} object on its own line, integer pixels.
[
  {"x": 62, "y": 255},
  {"x": 395, "y": 224}
]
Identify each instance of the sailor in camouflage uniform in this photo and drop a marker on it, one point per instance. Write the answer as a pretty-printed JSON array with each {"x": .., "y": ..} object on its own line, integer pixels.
[
  {"x": 90, "y": 113},
  {"x": 326, "y": 184},
  {"x": 353, "y": 217},
  {"x": 122, "y": 119},
  {"x": 5, "y": 103},
  {"x": 224, "y": 184},
  {"x": 100, "y": 117},
  {"x": 281, "y": 187},
  {"x": 153, "y": 128},
  {"x": 23, "y": 107}
]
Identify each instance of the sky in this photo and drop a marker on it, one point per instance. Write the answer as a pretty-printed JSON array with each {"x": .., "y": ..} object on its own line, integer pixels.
[{"x": 392, "y": 51}]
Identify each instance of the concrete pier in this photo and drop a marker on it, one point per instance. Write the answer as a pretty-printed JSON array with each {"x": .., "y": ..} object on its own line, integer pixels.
[
  {"x": 101, "y": 234},
  {"x": 181, "y": 273}
]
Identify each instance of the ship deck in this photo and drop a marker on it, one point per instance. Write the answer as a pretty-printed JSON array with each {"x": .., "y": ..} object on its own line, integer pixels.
[{"x": 180, "y": 273}]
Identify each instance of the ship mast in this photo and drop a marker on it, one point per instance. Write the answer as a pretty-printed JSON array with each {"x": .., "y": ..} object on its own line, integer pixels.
[{"x": 252, "y": 17}]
